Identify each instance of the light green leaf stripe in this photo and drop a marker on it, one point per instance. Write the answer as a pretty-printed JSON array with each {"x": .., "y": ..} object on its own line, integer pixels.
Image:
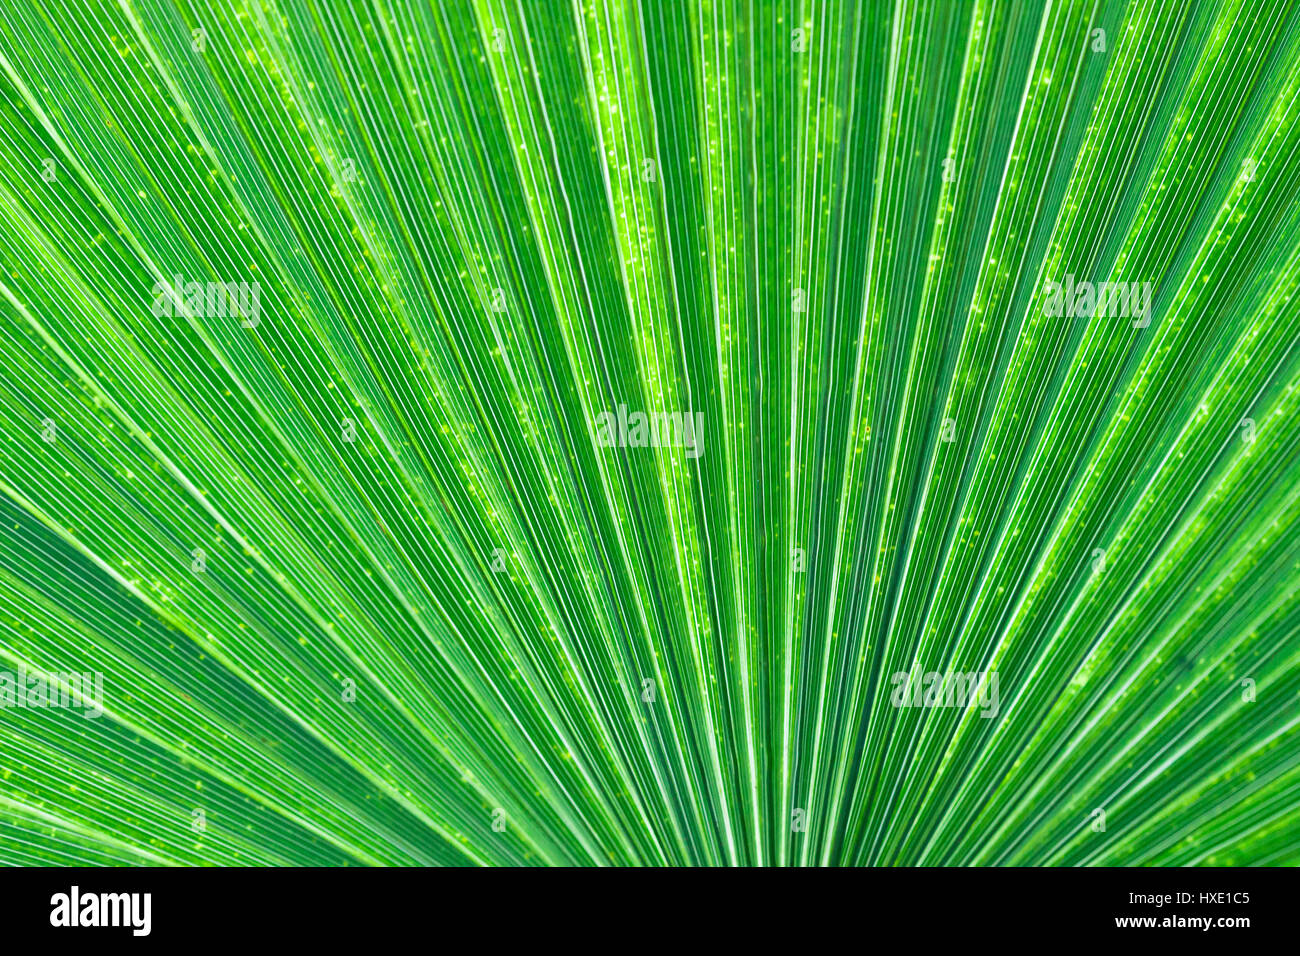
[{"x": 650, "y": 433}]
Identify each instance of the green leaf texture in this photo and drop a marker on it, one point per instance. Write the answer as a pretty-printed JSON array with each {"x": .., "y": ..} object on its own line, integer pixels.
[{"x": 367, "y": 585}]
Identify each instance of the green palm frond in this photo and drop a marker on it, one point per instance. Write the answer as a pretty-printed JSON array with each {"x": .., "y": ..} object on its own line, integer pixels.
[{"x": 661, "y": 433}]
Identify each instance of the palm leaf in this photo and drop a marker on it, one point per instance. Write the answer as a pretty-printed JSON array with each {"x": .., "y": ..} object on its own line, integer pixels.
[{"x": 367, "y": 581}]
